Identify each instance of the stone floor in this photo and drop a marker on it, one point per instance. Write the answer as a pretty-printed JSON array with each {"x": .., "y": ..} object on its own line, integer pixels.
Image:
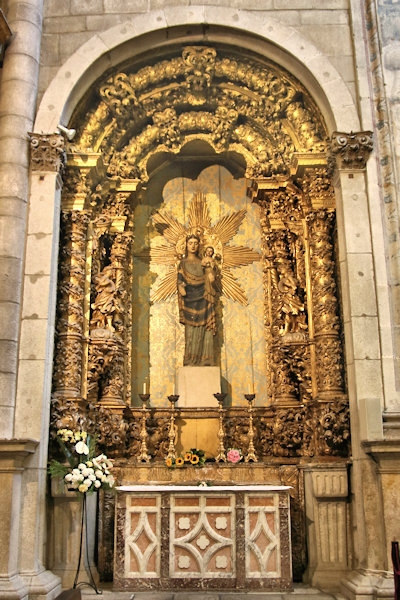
[{"x": 300, "y": 592}]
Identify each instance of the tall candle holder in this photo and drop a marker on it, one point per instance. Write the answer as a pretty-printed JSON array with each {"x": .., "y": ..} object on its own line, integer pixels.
[
  {"x": 251, "y": 452},
  {"x": 173, "y": 399},
  {"x": 221, "y": 456},
  {"x": 144, "y": 456}
]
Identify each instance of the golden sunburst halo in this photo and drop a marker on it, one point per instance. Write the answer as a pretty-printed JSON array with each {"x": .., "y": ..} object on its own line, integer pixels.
[{"x": 172, "y": 249}]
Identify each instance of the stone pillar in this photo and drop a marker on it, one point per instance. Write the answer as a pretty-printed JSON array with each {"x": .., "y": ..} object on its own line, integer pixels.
[
  {"x": 12, "y": 456},
  {"x": 386, "y": 455},
  {"x": 36, "y": 354},
  {"x": 326, "y": 492},
  {"x": 22, "y": 482},
  {"x": 370, "y": 578},
  {"x": 18, "y": 81}
]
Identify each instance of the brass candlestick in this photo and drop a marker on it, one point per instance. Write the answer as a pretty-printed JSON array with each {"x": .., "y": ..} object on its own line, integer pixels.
[
  {"x": 251, "y": 452},
  {"x": 221, "y": 456},
  {"x": 173, "y": 399},
  {"x": 144, "y": 456}
]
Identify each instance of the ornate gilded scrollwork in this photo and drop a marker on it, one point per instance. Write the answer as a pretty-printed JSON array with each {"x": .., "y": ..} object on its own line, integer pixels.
[
  {"x": 67, "y": 375},
  {"x": 201, "y": 68},
  {"x": 238, "y": 106},
  {"x": 108, "y": 323},
  {"x": 203, "y": 91}
]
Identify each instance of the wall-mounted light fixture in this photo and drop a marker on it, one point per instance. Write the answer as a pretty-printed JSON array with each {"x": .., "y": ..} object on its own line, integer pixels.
[{"x": 69, "y": 133}]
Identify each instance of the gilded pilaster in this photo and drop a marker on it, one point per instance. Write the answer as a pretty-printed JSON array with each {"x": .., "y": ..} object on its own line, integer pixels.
[{"x": 285, "y": 284}]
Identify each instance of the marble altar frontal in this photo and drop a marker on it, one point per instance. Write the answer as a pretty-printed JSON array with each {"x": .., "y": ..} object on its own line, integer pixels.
[{"x": 192, "y": 537}]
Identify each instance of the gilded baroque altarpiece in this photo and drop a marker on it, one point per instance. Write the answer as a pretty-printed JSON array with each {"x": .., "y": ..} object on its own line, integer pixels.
[{"x": 243, "y": 142}]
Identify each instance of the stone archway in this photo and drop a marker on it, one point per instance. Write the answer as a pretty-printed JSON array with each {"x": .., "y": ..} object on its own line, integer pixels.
[
  {"x": 283, "y": 44},
  {"x": 259, "y": 122},
  {"x": 104, "y": 51}
]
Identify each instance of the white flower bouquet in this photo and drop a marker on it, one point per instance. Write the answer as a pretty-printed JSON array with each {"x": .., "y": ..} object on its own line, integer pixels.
[{"x": 83, "y": 471}]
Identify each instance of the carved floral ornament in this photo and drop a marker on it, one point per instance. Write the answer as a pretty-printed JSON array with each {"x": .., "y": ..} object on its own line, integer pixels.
[
  {"x": 47, "y": 152},
  {"x": 351, "y": 150}
]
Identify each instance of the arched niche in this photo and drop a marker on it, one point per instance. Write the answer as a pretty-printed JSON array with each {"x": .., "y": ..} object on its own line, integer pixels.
[
  {"x": 151, "y": 119},
  {"x": 166, "y": 116}
]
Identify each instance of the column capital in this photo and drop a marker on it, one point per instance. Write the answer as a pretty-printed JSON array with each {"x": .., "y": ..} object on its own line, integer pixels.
[
  {"x": 14, "y": 452},
  {"x": 350, "y": 151},
  {"x": 386, "y": 453},
  {"x": 47, "y": 152}
]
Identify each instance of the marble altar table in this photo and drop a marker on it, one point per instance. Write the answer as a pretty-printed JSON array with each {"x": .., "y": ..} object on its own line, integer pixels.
[{"x": 220, "y": 537}]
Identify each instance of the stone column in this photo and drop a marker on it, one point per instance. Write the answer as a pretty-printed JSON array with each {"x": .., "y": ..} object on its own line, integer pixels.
[
  {"x": 370, "y": 578},
  {"x": 19, "y": 79},
  {"x": 22, "y": 481},
  {"x": 12, "y": 456},
  {"x": 35, "y": 357}
]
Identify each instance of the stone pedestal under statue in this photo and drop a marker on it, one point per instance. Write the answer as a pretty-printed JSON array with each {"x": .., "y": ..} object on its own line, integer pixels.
[
  {"x": 197, "y": 386},
  {"x": 196, "y": 389}
]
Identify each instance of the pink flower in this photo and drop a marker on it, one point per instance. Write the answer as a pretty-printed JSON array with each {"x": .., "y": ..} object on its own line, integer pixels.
[{"x": 234, "y": 455}]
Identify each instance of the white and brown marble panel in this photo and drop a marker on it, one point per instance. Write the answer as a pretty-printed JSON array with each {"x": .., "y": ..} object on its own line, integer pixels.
[{"x": 190, "y": 537}]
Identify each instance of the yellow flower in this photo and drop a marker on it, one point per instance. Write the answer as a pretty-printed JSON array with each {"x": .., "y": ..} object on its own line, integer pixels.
[
  {"x": 168, "y": 462},
  {"x": 188, "y": 457},
  {"x": 195, "y": 459},
  {"x": 179, "y": 461}
]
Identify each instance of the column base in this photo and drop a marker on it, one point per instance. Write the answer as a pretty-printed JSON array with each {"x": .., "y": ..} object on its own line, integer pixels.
[
  {"x": 368, "y": 585},
  {"x": 326, "y": 579},
  {"x": 42, "y": 586},
  {"x": 13, "y": 588}
]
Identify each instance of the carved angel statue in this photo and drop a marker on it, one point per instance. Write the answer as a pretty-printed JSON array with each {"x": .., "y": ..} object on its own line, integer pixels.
[
  {"x": 291, "y": 306},
  {"x": 106, "y": 305}
]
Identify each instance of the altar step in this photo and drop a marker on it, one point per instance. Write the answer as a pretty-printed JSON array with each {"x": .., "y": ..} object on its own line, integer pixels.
[{"x": 300, "y": 592}]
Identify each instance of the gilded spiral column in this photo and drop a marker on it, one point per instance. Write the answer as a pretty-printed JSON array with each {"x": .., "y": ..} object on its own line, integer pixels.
[
  {"x": 277, "y": 268},
  {"x": 325, "y": 307},
  {"x": 114, "y": 388},
  {"x": 67, "y": 374}
]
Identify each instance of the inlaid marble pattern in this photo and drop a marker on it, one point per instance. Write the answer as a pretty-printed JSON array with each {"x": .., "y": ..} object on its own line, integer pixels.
[
  {"x": 262, "y": 535},
  {"x": 142, "y": 536},
  {"x": 202, "y": 535},
  {"x": 189, "y": 537}
]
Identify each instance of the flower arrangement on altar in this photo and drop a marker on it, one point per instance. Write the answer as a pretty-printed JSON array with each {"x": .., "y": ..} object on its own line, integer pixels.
[
  {"x": 82, "y": 471},
  {"x": 234, "y": 455},
  {"x": 194, "y": 456}
]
